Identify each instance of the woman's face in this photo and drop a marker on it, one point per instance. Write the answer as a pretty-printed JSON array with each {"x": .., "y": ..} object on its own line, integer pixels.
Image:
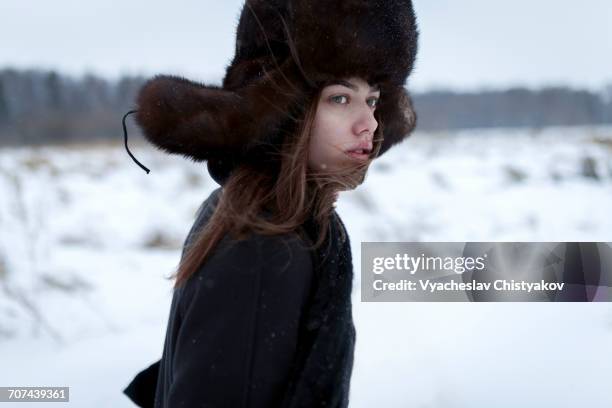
[{"x": 344, "y": 124}]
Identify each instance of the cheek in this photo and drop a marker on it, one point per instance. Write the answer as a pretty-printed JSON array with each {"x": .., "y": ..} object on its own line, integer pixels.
[
  {"x": 325, "y": 142},
  {"x": 330, "y": 130},
  {"x": 315, "y": 149}
]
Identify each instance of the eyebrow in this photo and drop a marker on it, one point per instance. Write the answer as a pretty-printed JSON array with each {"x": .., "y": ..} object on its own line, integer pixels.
[{"x": 373, "y": 88}]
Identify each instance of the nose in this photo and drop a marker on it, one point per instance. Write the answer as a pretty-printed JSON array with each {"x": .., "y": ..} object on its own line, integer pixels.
[{"x": 365, "y": 123}]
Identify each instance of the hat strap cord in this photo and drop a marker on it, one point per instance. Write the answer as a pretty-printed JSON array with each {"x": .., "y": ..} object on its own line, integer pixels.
[{"x": 126, "y": 142}]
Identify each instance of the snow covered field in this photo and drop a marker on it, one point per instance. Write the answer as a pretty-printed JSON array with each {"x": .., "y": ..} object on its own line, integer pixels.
[{"x": 86, "y": 239}]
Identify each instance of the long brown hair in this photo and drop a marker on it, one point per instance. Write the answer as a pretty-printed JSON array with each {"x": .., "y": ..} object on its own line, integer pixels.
[{"x": 289, "y": 194}]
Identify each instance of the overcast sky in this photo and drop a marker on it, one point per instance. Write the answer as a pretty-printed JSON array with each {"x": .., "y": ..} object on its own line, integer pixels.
[{"x": 465, "y": 44}]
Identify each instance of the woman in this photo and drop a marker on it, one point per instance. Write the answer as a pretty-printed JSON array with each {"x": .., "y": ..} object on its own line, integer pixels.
[{"x": 261, "y": 313}]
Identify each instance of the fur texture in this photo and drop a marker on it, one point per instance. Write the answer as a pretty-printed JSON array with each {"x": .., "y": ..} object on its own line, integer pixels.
[{"x": 285, "y": 51}]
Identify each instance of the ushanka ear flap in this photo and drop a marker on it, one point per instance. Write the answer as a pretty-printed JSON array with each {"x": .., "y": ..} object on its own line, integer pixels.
[
  {"x": 202, "y": 122},
  {"x": 396, "y": 113},
  {"x": 183, "y": 117}
]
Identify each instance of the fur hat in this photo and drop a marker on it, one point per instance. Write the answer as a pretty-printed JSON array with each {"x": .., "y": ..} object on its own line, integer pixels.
[{"x": 285, "y": 51}]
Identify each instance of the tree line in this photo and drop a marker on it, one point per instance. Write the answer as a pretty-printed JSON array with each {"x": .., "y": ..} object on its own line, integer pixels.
[
  {"x": 42, "y": 107},
  {"x": 515, "y": 107}
]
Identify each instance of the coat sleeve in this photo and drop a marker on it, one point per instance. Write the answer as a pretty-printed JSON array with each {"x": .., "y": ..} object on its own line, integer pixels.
[
  {"x": 240, "y": 323},
  {"x": 141, "y": 389}
]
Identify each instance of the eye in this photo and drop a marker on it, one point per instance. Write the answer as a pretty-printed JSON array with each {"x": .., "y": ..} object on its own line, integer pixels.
[
  {"x": 337, "y": 98},
  {"x": 373, "y": 102}
]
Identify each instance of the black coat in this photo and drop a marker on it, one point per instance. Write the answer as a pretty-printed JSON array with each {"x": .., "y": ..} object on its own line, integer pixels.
[{"x": 264, "y": 323}]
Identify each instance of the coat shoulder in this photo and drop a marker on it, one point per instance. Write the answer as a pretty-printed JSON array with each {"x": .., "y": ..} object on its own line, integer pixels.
[{"x": 260, "y": 253}]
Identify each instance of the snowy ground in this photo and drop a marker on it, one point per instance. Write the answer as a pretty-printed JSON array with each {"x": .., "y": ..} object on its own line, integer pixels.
[{"x": 86, "y": 239}]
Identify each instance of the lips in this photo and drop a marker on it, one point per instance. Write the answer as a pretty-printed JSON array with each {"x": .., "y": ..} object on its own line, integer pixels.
[
  {"x": 358, "y": 155},
  {"x": 360, "y": 152}
]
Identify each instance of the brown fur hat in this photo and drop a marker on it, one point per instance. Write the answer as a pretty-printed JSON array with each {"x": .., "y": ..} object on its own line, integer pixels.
[{"x": 285, "y": 51}]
